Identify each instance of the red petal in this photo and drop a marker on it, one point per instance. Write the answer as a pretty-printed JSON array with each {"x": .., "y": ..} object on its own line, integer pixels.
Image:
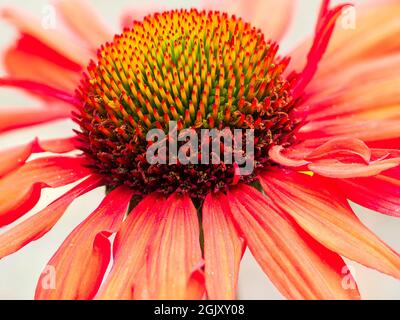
[
  {"x": 174, "y": 256},
  {"x": 380, "y": 193},
  {"x": 393, "y": 173},
  {"x": 298, "y": 266},
  {"x": 22, "y": 65},
  {"x": 130, "y": 246},
  {"x": 223, "y": 249},
  {"x": 81, "y": 261},
  {"x": 375, "y": 36},
  {"x": 323, "y": 34},
  {"x": 38, "y": 225},
  {"x": 53, "y": 39},
  {"x": 34, "y": 47},
  {"x": 43, "y": 90},
  {"x": 15, "y": 118},
  {"x": 20, "y": 190},
  {"x": 326, "y": 216},
  {"x": 17, "y": 156}
]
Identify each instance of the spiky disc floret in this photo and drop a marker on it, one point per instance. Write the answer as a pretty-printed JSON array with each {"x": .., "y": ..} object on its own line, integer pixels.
[{"x": 201, "y": 69}]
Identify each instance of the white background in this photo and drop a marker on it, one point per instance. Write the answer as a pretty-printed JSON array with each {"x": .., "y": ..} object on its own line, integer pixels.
[{"x": 19, "y": 272}]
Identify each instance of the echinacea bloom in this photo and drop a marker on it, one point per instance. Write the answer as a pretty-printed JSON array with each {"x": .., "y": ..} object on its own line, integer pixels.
[{"x": 326, "y": 131}]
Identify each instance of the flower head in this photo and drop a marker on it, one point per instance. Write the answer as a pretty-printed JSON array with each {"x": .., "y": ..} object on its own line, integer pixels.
[
  {"x": 200, "y": 69},
  {"x": 181, "y": 229}
]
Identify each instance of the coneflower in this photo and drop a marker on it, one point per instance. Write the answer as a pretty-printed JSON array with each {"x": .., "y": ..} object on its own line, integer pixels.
[{"x": 325, "y": 131}]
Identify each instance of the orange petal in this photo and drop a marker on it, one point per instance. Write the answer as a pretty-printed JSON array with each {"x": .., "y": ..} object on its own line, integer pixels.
[
  {"x": 358, "y": 91},
  {"x": 20, "y": 190},
  {"x": 377, "y": 32},
  {"x": 336, "y": 169},
  {"x": 83, "y": 19},
  {"x": 38, "y": 225},
  {"x": 298, "y": 266},
  {"x": 14, "y": 118},
  {"x": 327, "y": 217},
  {"x": 174, "y": 256},
  {"x": 139, "y": 11},
  {"x": 54, "y": 39},
  {"x": 14, "y": 157},
  {"x": 130, "y": 246},
  {"x": 17, "y": 156},
  {"x": 366, "y": 130},
  {"x": 223, "y": 249},
  {"x": 26, "y": 66},
  {"x": 81, "y": 261},
  {"x": 274, "y": 25},
  {"x": 61, "y": 145}
]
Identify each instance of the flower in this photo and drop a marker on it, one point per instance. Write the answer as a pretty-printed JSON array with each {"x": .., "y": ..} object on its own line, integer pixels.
[{"x": 326, "y": 131}]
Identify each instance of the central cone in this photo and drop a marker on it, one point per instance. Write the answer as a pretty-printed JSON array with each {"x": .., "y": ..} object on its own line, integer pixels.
[{"x": 200, "y": 69}]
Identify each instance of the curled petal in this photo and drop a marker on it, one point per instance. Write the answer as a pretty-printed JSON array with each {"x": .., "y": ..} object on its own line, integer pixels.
[
  {"x": 82, "y": 259},
  {"x": 223, "y": 249},
  {"x": 327, "y": 217},
  {"x": 20, "y": 190},
  {"x": 276, "y": 153},
  {"x": 345, "y": 158},
  {"x": 38, "y": 225},
  {"x": 298, "y": 266},
  {"x": 341, "y": 146}
]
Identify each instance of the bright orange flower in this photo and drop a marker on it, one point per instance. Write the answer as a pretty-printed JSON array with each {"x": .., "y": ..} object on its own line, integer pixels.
[{"x": 326, "y": 128}]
